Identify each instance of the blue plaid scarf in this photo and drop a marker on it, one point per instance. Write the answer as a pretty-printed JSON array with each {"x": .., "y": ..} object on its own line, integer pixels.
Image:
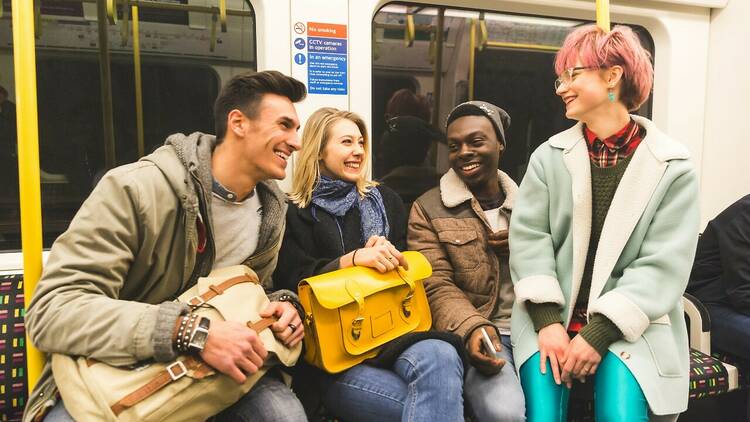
[{"x": 336, "y": 197}]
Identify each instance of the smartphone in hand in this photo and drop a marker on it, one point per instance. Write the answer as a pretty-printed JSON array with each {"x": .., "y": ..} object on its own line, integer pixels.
[{"x": 488, "y": 346}]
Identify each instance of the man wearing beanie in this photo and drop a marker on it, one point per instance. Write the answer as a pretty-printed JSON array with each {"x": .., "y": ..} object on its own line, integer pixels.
[{"x": 461, "y": 226}]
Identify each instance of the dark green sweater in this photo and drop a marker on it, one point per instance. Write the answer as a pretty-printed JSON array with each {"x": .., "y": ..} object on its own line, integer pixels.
[{"x": 600, "y": 332}]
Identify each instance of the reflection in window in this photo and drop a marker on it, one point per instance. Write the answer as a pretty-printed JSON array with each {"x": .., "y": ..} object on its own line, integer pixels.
[
  {"x": 513, "y": 68},
  {"x": 180, "y": 80}
]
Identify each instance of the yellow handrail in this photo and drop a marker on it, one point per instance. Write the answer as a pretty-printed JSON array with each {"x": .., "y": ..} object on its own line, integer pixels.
[
  {"x": 602, "y": 14},
  {"x": 24, "y": 66},
  {"x": 472, "y": 56},
  {"x": 137, "y": 73}
]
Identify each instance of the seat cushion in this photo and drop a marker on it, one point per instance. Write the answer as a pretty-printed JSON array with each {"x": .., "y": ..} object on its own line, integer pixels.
[
  {"x": 12, "y": 348},
  {"x": 708, "y": 377}
]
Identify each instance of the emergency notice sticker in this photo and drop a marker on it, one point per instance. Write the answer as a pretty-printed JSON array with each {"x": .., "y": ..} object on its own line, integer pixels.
[{"x": 327, "y": 59}]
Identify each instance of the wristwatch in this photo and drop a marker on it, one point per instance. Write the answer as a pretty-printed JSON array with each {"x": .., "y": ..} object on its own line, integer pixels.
[{"x": 199, "y": 336}]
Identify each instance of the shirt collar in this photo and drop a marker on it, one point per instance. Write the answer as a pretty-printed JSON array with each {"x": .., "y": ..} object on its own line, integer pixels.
[
  {"x": 614, "y": 142},
  {"x": 225, "y": 194}
]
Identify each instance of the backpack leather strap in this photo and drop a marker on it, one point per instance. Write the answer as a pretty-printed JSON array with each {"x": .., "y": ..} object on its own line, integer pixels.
[
  {"x": 180, "y": 368},
  {"x": 215, "y": 290}
]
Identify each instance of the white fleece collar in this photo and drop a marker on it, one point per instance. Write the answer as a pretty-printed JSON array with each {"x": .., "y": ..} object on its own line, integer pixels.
[
  {"x": 454, "y": 192},
  {"x": 661, "y": 146}
]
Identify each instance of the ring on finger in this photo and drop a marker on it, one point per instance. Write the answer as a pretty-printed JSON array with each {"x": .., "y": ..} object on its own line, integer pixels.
[{"x": 292, "y": 326}]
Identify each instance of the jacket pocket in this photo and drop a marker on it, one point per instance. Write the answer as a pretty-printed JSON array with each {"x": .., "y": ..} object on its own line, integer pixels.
[
  {"x": 462, "y": 247},
  {"x": 660, "y": 341}
]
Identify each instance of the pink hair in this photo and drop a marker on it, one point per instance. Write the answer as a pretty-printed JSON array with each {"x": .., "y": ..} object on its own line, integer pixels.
[{"x": 619, "y": 47}]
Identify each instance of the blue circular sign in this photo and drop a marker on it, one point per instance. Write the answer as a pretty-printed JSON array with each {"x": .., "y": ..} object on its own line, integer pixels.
[
  {"x": 299, "y": 43},
  {"x": 299, "y": 58}
]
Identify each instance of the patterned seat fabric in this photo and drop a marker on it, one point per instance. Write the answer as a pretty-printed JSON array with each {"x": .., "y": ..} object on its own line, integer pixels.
[
  {"x": 742, "y": 365},
  {"x": 708, "y": 377},
  {"x": 12, "y": 349}
]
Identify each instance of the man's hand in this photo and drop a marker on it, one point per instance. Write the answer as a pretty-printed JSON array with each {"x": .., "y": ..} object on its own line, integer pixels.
[
  {"x": 482, "y": 359},
  {"x": 288, "y": 329},
  {"x": 234, "y": 349},
  {"x": 553, "y": 341},
  {"x": 581, "y": 360},
  {"x": 499, "y": 243}
]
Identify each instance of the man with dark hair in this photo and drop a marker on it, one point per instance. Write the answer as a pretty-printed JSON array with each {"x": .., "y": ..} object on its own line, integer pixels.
[
  {"x": 721, "y": 278},
  {"x": 151, "y": 228}
]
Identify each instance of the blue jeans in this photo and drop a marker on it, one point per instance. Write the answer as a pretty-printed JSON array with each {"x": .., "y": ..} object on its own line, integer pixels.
[
  {"x": 270, "y": 400},
  {"x": 497, "y": 397},
  {"x": 423, "y": 385},
  {"x": 730, "y": 330}
]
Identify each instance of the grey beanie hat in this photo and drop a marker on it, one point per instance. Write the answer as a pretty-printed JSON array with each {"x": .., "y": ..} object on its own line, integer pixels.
[{"x": 499, "y": 117}]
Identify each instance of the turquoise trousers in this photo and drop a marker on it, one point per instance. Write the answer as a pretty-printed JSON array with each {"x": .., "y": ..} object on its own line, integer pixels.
[{"x": 617, "y": 395}]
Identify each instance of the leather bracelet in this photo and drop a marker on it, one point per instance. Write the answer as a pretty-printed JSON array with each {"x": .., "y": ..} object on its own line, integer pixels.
[
  {"x": 354, "y": 255},
  {"x": 293, "y": 301},
  {"x": 185, "y": 332}
]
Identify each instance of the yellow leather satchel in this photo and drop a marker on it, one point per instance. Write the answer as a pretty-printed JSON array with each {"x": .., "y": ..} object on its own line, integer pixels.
[{"x": 350, "y": 313}]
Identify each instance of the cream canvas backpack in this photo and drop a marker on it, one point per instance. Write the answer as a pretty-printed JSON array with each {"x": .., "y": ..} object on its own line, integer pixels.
[{"x": 186, "y": 389}]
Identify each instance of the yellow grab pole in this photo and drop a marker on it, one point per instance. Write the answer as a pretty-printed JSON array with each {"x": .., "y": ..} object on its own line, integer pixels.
[
  {"x": 24, "y": 66},
  {"x": 472, "y": 57},
  {"x": 137, "y": 72},
  {"x": 602, "y": 14}
]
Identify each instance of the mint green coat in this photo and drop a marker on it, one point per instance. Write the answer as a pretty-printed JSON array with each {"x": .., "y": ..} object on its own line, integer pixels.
[{"x": 642, "y": 264}]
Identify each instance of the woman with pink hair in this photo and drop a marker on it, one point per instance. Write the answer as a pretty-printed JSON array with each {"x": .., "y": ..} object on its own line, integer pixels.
[{"x": 602, "y": 240}]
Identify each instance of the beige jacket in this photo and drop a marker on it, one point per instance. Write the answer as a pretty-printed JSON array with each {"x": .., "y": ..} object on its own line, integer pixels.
[
  {"x": 107, "y": 288},
  {"x": 469, "y": 283}
]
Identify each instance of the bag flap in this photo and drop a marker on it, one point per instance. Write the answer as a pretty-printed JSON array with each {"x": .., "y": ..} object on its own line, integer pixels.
[{"x": 330, "y": 288}]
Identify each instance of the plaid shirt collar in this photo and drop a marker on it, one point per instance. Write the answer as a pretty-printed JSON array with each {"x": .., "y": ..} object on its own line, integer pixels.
[{"x": 607, "y": 152}]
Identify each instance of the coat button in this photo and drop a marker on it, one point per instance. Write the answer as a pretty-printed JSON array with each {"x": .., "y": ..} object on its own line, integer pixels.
[
  {"x": 625, "y": 355},
  {"x": 457, "y": 241}
]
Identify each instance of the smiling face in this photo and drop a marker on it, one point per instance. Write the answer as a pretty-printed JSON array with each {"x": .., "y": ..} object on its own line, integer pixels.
[
  {"x": 271, "y": 137},
  {"x": 584, "y": 94},
  {"x": 474, "y": 151},
  {"x": 343, "y": 155}
]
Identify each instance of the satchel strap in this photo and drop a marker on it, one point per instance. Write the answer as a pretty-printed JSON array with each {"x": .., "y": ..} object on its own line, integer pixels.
[
  {"x": 216, "y": 290},
  {"x": 177, "y": 370}
]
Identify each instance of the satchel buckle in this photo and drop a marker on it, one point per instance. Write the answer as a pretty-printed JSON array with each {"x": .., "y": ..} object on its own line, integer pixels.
[
  {"x": 177, "y": 375},
  {"x": 198, "y": 301},
  {"x": 406, "y": 305},
  {"x": 357, "y": 327}
]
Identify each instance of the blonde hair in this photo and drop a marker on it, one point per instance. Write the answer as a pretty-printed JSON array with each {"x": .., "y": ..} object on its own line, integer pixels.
[{"x": 314, "y": 139}]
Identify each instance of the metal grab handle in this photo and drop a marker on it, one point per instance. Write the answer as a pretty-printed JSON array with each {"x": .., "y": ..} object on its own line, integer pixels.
[
  {"x": 223, "y": 14},
  {"x": 112, "y": 11},
  {"x": 409, "y": 30}
]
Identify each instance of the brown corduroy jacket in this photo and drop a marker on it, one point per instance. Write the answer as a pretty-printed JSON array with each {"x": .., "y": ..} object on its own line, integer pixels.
[{"x": 470, "y": 284}]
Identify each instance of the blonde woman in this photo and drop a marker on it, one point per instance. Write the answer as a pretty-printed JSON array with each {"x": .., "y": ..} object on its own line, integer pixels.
[{"x": 337, "y": 219}]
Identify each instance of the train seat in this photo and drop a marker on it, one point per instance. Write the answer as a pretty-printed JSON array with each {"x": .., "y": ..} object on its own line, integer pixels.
[{"x": 12, "y": 348}]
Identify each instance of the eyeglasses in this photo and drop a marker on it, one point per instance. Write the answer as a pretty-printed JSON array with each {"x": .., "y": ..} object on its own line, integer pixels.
[{"x": 567, "y": 76}]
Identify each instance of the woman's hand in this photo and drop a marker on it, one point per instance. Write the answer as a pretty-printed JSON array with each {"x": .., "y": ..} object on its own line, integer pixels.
[
  {"x": 581, "y": 360},
  {"x": 553, "y": 342},
  {"x": 378, "y": 253},
  {"x": 384, "y": 258}
]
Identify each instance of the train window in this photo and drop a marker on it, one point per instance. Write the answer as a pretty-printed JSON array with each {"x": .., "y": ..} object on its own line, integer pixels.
[
  {"x": 184, "y": 57},
  {"x": 509, "y": 63}
]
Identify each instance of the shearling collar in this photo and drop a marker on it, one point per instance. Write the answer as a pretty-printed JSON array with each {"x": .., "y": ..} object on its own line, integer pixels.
[
  {"x": 661, "y": 146},
  {"x": 454, "y": 192}
]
